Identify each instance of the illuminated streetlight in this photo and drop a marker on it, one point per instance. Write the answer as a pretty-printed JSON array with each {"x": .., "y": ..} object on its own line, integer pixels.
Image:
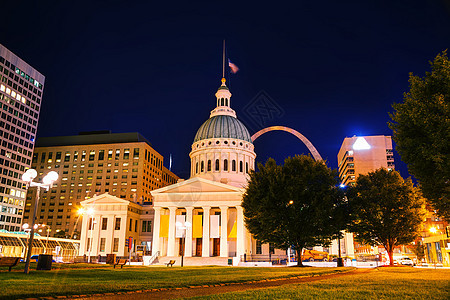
[{"x": 48, "y": 181}]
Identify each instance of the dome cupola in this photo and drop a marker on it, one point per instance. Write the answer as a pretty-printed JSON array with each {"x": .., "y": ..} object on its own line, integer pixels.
[{"x": 223, "y": 150}]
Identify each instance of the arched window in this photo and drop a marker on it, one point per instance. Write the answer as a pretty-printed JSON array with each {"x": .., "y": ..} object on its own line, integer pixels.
[
  {"x": 226, "y": 102},
  {"x": 217, "y": 165},
  {"x": 209, "y": 166},
  {"x": 233, "y": 165},
  {"x": 225, "y": 164},
  {"x": 241, "y": 167},
  {"x": 202, "y": 167},
  {"x": 221, "y": 102},
  {"x": 246, "y": 167},
  {"x": 196, "y": 168}
]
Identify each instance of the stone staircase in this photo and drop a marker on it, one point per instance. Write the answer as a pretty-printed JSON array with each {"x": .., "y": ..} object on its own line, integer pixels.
[{"x": 193, "y": 261}]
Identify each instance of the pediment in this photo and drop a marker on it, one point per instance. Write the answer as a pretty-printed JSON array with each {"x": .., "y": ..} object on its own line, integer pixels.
[
  {"x": 197, "y": 185},
  {"x": 104, "y": 199}
]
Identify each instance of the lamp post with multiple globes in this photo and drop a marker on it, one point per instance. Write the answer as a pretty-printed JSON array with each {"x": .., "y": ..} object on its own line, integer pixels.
[{"x": 47, "y": 183}]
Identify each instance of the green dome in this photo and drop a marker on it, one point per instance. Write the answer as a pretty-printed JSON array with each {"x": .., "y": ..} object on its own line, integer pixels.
[{"x": 222, "y": 126}]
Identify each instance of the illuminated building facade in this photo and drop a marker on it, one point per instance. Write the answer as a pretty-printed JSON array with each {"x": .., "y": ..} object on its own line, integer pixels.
[
  {"x": 21, "y": 88},
  {"x": 364, "y": 154},
  {"x": 361, "y": 155},
  {"x": 123, "y": 165}
]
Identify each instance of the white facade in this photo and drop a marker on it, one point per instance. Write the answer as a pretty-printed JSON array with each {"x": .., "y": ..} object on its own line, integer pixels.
[
  {"x": 203, "y": 216},
  {"x": 108, "y": 221}
]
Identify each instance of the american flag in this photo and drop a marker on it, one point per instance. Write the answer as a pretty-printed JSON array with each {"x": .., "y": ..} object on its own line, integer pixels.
[{"x": 233, "y": 67}]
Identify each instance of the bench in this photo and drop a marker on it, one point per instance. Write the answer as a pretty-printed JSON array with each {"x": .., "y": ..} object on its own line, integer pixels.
[
  {"x": 9, "y": 262},
  {"x": 170, "y": 263},
  {"x": 121, "y": 263}
]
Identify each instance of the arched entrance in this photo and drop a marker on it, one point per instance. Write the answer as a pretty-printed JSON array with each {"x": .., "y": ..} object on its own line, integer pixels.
[{"x": 305, "y": 141}]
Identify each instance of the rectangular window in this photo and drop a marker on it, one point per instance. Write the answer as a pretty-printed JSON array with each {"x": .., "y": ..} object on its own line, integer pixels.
[
  {"x": 130, "y": 227},
  {"x": 88, "y": 244},
  {"x": 67, "y": 157},
  {"x": 90, "y": 224},
  {"x": 126, "y": 154},
  {"x": 102, "y": 244},
  {"x": 117, "y": 225},
  {"x": 136, "y": 153},
  {"x": 117, "y": 154},
  {"x": 58, "y": 157},
  {"x": 101, "y": 155},
  {"x": 91, "y": 155},
  {"x": 258, "y": 247},
  {"x": 104, "y": 223},
  {"x": 116, "y": 244},
  {"x": 136, "y": 226},
  {"x": 146, "y": 226},
  {"x": 42, "y": 157}
]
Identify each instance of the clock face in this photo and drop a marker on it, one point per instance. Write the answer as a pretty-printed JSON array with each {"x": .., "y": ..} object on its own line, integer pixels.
[{"x": 361, "y": 144}]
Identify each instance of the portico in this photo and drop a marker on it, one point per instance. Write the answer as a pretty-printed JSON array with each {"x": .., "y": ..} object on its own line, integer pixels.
[{"x": 200, "y": 217}]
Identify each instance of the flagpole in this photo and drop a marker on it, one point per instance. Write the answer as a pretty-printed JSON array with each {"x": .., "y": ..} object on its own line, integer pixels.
[{"x": 223, "y": 60}]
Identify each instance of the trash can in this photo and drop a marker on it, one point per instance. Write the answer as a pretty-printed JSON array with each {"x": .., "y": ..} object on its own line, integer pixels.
[
  {"x": 110, "y": 259},
  {"x": 44, "y": 262}
]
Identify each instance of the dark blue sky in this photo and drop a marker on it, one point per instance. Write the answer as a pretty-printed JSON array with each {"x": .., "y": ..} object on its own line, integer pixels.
[{"x": 333, "y": 68}]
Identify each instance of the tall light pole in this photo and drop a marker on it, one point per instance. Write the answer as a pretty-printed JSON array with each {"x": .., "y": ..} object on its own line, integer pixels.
[
  {"x": 90, "y": 212},
  {"x": 47, "y": 182},
  {"x": 180, "y": 226}
]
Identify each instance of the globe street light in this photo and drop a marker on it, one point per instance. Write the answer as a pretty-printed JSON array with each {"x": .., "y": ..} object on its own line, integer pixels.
[{"x": 47, "y": 183}]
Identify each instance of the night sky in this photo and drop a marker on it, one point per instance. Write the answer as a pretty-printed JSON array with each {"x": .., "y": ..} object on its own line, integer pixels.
[{"x": 330, "y": 69}]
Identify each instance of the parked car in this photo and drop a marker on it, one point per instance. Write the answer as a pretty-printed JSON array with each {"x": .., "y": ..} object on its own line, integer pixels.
[
  {"x": 314, "y": 255},
  {"x": 405, "y": 261}
]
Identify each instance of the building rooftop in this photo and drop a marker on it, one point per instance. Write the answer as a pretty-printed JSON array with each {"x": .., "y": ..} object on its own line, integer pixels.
[{"x": 91, "y": 138}]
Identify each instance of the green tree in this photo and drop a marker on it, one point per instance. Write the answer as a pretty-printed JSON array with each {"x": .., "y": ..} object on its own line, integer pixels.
[
  {"x": 419, "y": 251},
  {"x": 294, "y": 204},
  {"x": 421, "y": 126},
  {"x": 386, "y": 210}
]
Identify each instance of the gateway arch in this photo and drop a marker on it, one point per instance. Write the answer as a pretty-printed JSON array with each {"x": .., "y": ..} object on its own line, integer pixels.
[{"x": 300, "y": 136}]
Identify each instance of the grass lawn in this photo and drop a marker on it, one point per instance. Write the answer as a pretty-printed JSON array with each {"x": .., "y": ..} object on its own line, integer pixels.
[
  {"x": 384, "y": 283},
  {"x": 77, "y": 279}
]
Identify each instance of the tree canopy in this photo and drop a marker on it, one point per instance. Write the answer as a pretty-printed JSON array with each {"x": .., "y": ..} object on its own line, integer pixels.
[
  {"x": 386, "y": 210},
  {"x": 421, "y": 126},
  {"x": 295, "y": 204}
]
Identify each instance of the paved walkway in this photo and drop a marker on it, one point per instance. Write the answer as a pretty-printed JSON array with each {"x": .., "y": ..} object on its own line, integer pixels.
[{"x": 215, "y": 289}]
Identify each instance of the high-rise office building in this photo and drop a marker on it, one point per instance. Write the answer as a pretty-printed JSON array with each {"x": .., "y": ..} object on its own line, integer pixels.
[
  {"x": 121, "y": 164},
  {"x": 21, "y": 88},
  {"x": 364, "y": 154}
]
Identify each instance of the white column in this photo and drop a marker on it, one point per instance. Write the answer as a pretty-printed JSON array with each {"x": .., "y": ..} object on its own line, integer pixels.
[
  {"x": 188, "y": 239},
  {"x": 205, "y": 238},
  {"x": 83, "y": 234},
  {"x": 240, "y": 242},
  {"x": 223, "y": 231},
  {"x": 171, "y": 239},
  {"x": 156, "y": 228}
]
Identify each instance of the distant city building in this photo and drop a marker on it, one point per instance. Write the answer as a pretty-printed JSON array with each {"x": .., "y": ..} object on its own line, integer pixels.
[
  {"x": 123, "y": 165},
  {"x": 21, "y": 88},
  {"x": 364, "y": 154},
  {"x": 361, "y": 155}
]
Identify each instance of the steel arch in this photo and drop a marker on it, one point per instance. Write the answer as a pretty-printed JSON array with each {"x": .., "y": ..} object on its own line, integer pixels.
[{"x": 300, "y": 136}]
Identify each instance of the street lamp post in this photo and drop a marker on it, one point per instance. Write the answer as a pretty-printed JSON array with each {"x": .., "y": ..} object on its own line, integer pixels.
[
  {"x": 47, "y": 182},
  {"x": 184, "y": 227}
]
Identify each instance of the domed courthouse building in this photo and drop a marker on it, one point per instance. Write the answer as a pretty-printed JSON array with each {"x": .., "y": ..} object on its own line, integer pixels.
[
  {"x": 203, "y": 216},
  {"x": 200, "y": 218}
]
